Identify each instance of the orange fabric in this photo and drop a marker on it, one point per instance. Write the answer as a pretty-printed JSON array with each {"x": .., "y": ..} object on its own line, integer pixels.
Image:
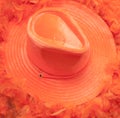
[
  {"x": 14, "y": 102},
  {"x": 64, "y": 81}
]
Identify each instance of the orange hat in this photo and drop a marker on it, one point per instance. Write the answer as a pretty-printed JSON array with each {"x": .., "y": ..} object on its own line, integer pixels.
[{"x": 61, "y": 52}]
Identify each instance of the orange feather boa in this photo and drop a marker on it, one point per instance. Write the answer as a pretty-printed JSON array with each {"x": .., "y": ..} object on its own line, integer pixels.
[{"x": 15, "y": 103}]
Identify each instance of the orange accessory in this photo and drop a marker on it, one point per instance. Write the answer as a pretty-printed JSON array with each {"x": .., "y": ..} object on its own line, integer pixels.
[{"x": 61, "y": 53}]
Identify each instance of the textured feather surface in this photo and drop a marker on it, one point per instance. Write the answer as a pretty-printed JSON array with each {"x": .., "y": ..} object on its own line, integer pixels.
[{"x": 15, "y": 103}]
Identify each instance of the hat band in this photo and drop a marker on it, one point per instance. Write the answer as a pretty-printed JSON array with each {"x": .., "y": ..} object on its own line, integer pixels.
[{"x": 47, "y": 75}]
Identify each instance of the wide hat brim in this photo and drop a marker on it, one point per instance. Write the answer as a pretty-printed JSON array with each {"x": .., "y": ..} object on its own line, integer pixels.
[{"x": 84, "y": 86}]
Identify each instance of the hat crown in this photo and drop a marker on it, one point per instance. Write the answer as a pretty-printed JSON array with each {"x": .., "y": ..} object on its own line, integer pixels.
[
  {"x": 54, "y": 30},
  {"x": 56, "y": 40}
]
